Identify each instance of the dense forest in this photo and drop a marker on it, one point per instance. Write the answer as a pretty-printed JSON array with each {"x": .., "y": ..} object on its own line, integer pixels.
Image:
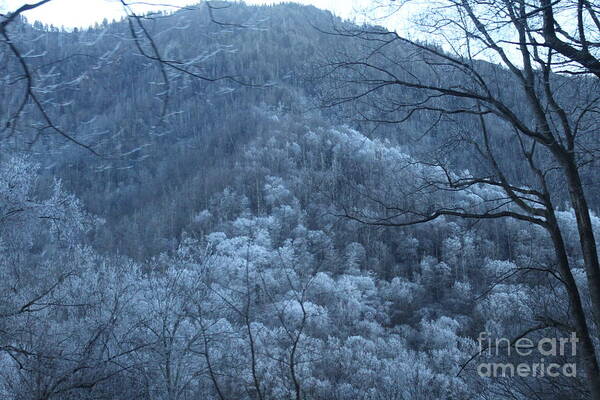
[{"x": 222, "y": 203}]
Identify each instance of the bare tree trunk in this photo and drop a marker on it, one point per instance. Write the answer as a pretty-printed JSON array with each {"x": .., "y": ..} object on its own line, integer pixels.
[
  {"x": 211, "y": 371},
  {"x": 586, "y": 235},
  {"x": 588, "y": 351}
]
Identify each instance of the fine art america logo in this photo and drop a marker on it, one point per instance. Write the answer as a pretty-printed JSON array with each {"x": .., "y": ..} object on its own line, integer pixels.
[{"x": 544, "y": 351}]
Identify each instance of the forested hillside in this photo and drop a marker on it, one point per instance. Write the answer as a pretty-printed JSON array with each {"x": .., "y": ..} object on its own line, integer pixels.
[
  {"x": 232, "y": 226},
  {"x": 113, "y": 100}
]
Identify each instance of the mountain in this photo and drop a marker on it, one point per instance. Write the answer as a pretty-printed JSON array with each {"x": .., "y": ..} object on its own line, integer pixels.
[{"x": 155, "y": 140}]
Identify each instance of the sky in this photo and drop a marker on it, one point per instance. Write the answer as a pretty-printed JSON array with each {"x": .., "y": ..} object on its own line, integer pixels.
[{"x": 83, "y": 13}]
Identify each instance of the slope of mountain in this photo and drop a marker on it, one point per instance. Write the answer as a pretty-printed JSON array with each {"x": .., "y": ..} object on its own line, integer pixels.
[{"x": 156, "y": 138}]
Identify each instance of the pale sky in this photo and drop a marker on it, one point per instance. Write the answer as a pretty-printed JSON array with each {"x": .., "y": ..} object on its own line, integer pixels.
[{"x": 83, "y": 13}]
